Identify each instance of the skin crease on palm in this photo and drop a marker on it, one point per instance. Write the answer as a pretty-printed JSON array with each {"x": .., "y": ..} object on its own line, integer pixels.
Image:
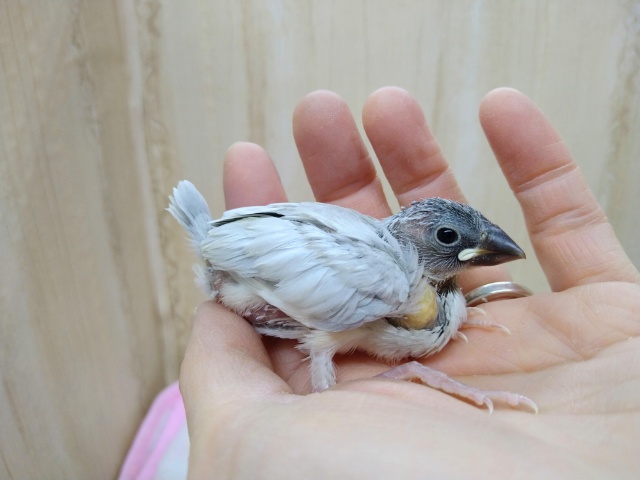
[{"x": 575, "y": 351}]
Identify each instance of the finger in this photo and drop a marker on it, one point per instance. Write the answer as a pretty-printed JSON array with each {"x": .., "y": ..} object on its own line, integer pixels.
[
  {"x": 250, "y": 178},
  {"x": 412, "y": 160},
  {"x": 334, "y": 156},
  {"x": 225, "y": 362},
  {"x": 406, "y": 149},
  {"x": 569, "y": 231}
]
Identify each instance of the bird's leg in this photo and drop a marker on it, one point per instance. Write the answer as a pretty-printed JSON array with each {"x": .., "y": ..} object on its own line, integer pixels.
[
  {"x": 441, "y": 381},
  {"x": 323, "y": 372},
  {"x": 474, "y": 320}
]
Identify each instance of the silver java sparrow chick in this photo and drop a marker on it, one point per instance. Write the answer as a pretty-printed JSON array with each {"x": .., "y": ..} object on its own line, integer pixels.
[{"x": 337, "y": 280}]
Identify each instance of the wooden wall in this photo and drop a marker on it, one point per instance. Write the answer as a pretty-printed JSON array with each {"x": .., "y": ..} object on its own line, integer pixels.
[{"x": 105, "y": 105}]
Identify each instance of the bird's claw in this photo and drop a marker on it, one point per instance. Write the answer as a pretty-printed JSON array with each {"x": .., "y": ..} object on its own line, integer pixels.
[
  {"x": 475, "y": 322},
  {"x": 441, "y": 381},
  {"x": 460, "y": 336}
]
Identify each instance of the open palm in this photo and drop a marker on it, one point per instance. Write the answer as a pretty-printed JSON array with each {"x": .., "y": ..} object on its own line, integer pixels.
[{"x": 576, "y": 351}]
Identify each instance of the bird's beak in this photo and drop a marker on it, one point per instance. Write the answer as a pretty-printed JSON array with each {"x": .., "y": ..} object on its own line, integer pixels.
[{"x": 494, "y": 248}]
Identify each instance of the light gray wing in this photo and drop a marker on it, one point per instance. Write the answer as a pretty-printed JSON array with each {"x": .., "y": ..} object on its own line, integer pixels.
[
  {"x": 324, "y": 216},
  {"x": 325, "y": 266}
]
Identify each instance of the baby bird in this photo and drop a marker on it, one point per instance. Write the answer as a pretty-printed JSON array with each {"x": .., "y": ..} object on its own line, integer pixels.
[{"x": 337, "y": 280}]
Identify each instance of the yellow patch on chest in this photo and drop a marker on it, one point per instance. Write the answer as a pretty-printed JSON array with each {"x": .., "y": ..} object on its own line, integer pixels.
[{"x": 426, "y": 315}]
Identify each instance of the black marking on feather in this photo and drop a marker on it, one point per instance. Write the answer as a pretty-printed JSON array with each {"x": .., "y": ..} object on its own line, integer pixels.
[
  {"x": 444, "y": 290},
  {"x": 319, "y": 226},
  {"x": 219, "y": 223},
  {"x": 446, "y": 286}
]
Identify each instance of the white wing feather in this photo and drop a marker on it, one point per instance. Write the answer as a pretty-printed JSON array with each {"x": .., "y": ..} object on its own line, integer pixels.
[
  {"x": 191, "y": 211},
  {"x": 325, "y": 266}
]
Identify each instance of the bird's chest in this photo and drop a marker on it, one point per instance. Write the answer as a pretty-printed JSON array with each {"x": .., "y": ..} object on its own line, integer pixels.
[
  {"x": 424, "y": 312},
  {"x": 393, "y": 341},
  {"x": 440, "y": 308},
  {"x": 452, "y": 313}
]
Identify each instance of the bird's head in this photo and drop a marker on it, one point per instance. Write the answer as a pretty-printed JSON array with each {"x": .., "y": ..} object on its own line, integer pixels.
[{"x": 451, "y": 237}]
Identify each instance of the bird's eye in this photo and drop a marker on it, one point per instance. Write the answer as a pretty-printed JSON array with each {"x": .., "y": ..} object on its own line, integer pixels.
[{"x": 447, "y": 236}]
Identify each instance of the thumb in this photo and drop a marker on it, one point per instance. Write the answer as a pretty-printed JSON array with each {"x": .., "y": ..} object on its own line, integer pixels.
[{"x": 225, "y": 363}]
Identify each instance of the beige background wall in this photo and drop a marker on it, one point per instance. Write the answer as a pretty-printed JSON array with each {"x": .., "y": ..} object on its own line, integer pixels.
[{"x": 105, "y": 105}]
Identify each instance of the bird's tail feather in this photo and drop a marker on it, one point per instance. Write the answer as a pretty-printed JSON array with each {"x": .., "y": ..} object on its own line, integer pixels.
[{"x": 191, "y": 211}]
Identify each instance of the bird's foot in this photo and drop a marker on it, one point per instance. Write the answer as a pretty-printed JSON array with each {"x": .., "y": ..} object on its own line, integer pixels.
[
  {"x": 460, "y": 336},
  {"x": 477, "y": 318},
  {"x": 441, "y": 381}
]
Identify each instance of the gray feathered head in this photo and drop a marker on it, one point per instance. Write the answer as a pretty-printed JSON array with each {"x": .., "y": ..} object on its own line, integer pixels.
[{"x": 451, "y": 237}]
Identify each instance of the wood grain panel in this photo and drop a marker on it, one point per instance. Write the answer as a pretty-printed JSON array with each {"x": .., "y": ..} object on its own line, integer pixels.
[{"x": 104, "y": 106}]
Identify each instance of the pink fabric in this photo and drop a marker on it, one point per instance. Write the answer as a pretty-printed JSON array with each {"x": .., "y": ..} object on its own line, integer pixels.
[{"x": 163, "y": 428}]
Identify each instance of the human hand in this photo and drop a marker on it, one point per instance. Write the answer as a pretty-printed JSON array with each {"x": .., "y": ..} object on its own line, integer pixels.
[{"x": 574, "y": 351}]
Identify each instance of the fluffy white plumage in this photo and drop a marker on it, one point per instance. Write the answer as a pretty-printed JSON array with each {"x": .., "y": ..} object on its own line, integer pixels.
[
  {"x": 302, "y": 262},
  {"x": 337, "y": 273},
  {"x": 337, "y": 280}
]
